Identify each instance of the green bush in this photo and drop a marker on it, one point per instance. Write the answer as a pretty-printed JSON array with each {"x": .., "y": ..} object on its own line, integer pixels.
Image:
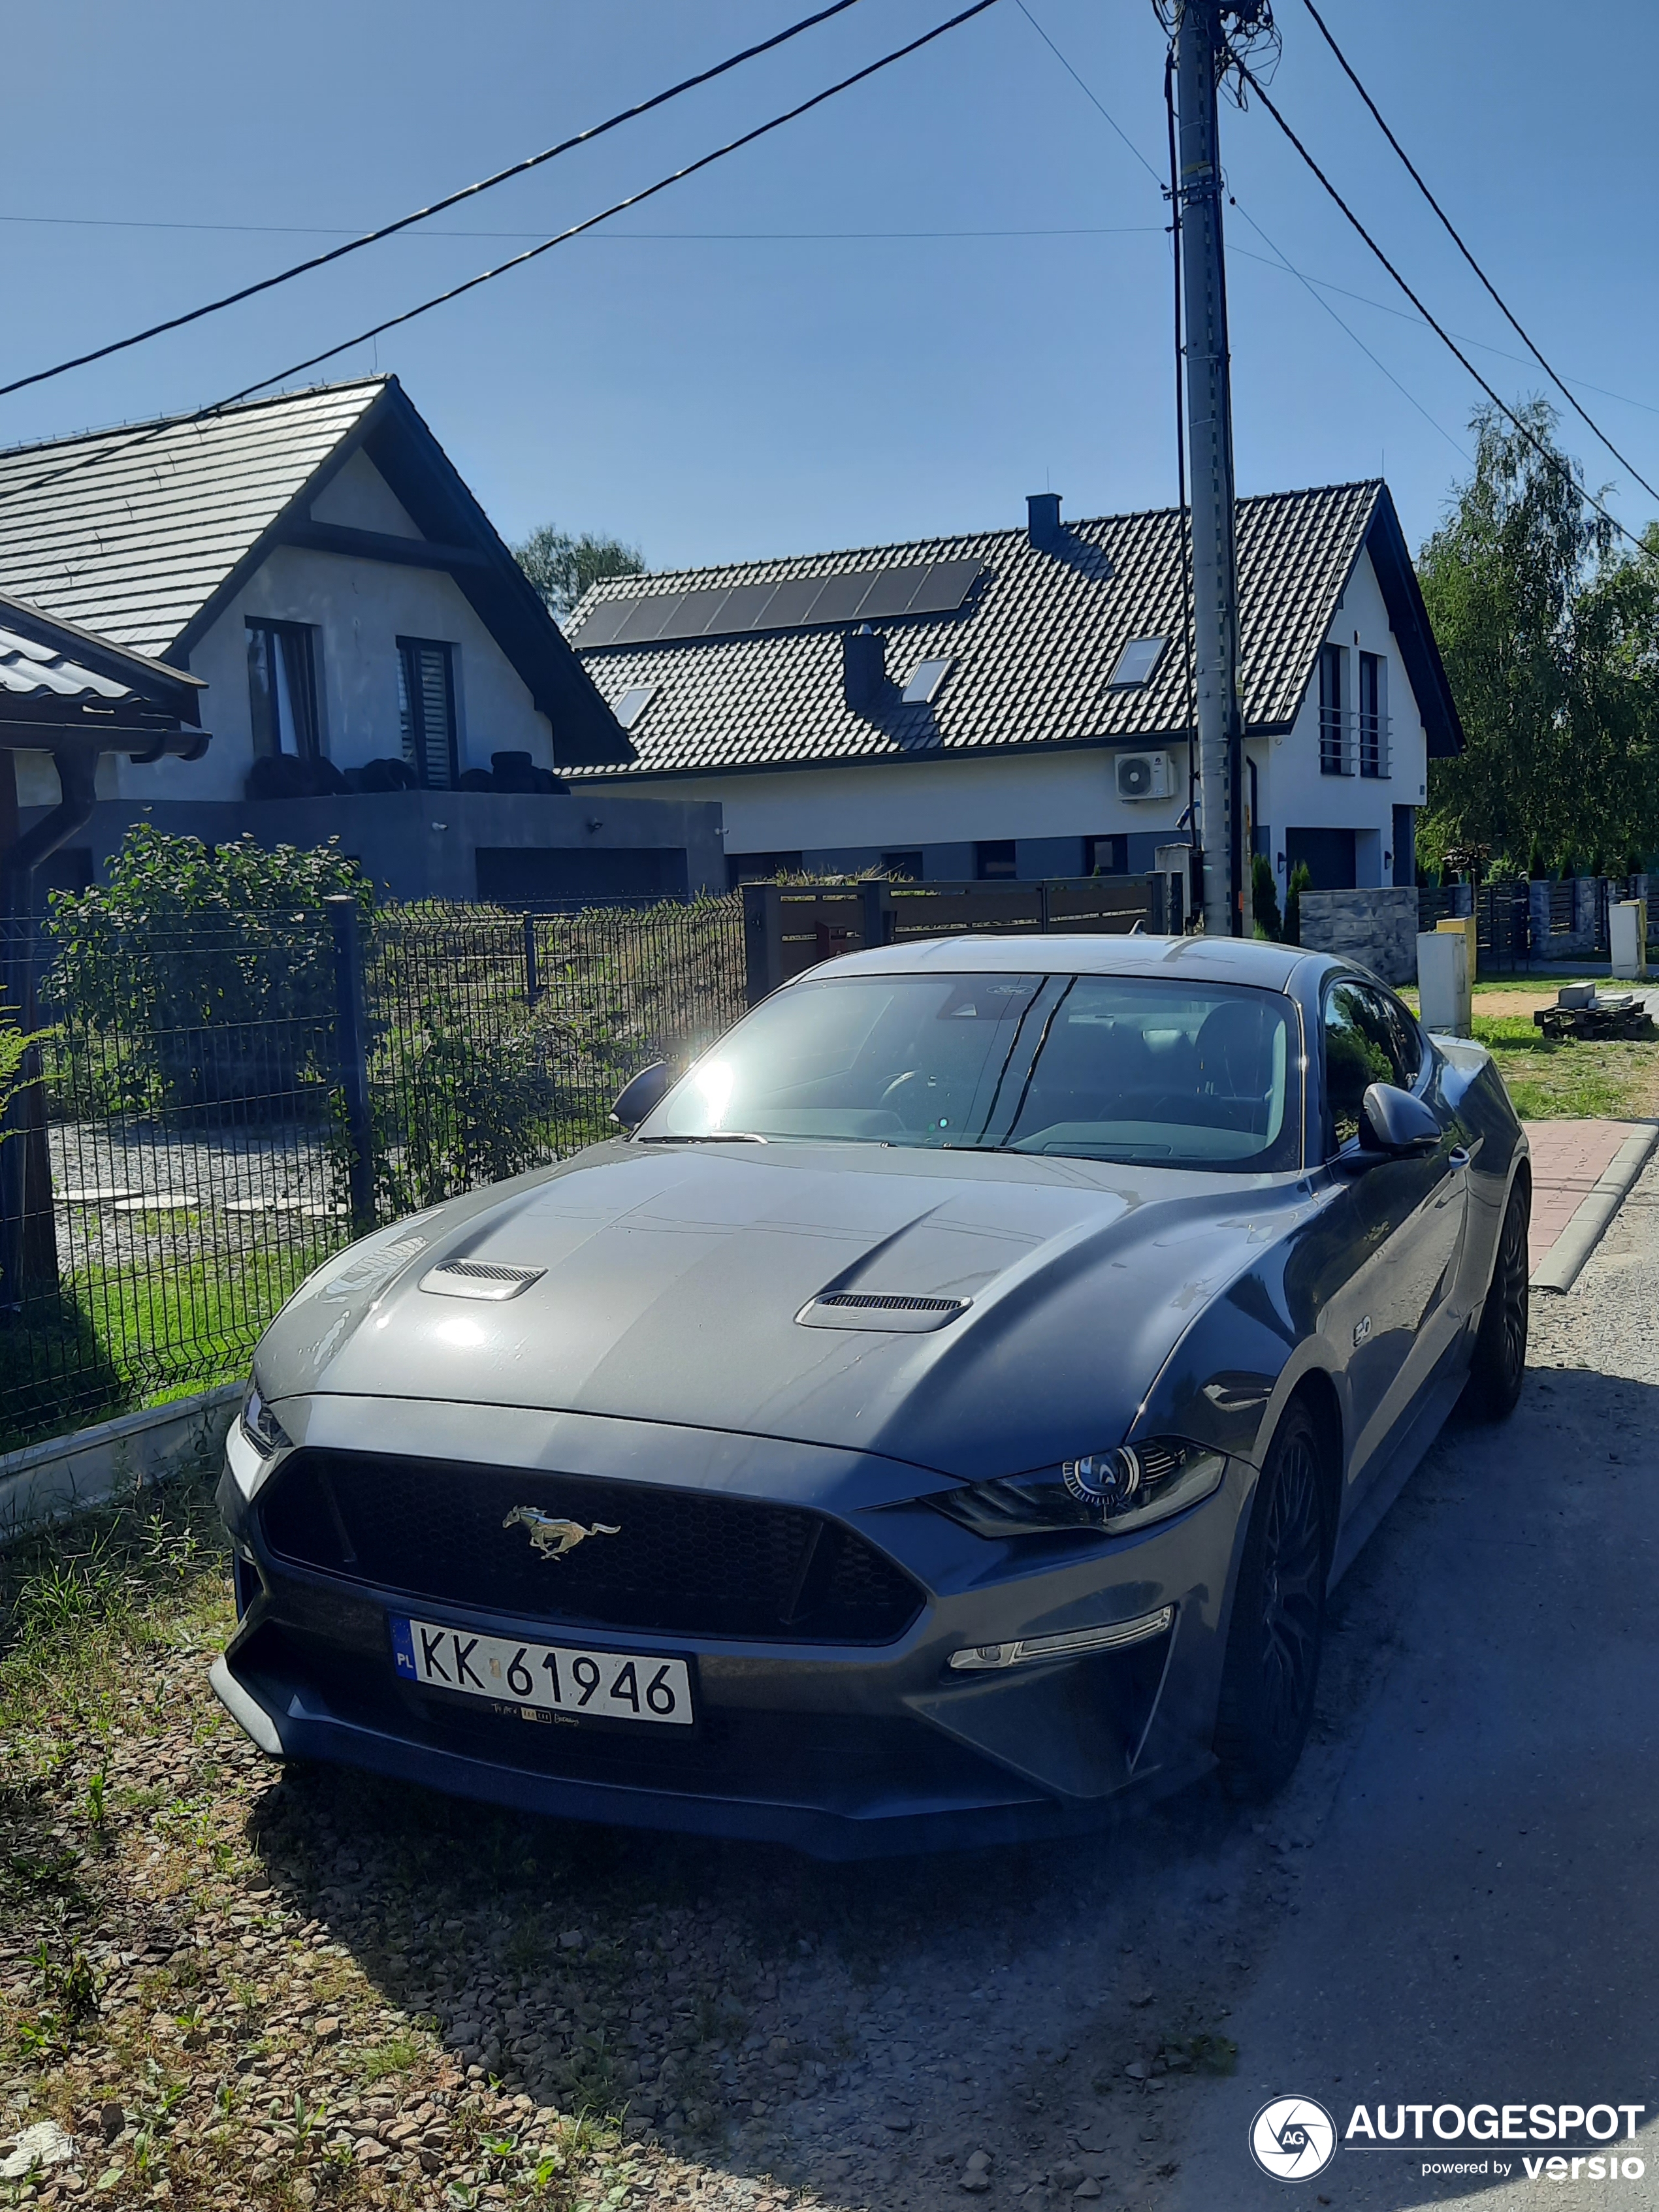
[
  {"x": 197, "y": 976},
  {"x": 1301, "y": 880},
  {"x": 1264, "y": 898}
]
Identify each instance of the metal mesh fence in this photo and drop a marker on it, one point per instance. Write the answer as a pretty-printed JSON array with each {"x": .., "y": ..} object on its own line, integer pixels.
[{"x": 221, "y": 1104}]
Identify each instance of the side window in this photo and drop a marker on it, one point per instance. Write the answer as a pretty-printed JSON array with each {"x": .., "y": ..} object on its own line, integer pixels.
[
  {"x": 1408, "y": 1046},
  {"x": 1363, "y": 1044}
]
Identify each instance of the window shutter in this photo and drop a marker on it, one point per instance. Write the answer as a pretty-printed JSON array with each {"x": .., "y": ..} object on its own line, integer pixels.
[{"x": 426, "y": 706}]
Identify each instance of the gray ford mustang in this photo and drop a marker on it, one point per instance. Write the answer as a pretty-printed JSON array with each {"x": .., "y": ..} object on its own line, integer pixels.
[{"x": 939, "y": 1418}]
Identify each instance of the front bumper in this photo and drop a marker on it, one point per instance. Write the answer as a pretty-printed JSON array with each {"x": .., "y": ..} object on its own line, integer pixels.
[{"x": 842, "y": 1751}]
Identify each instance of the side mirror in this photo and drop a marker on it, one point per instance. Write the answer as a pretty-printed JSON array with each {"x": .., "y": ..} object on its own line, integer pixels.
[
  {"x": 1394, "y": 1122},
  {"x": 643, "y": 1094}
]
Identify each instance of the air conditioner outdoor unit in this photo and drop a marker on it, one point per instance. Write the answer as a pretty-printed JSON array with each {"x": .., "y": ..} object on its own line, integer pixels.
[{"x": 1144, "y": 775}]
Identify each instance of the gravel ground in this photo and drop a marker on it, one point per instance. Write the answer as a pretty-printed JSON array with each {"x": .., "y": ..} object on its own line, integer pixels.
[{"x": 231, "y": 1983}]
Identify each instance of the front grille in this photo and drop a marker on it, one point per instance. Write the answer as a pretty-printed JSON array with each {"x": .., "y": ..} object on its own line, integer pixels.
[{"x": 690, "y": 1563}]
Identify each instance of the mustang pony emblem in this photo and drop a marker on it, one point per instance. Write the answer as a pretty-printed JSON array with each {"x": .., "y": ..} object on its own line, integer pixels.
[{"x": 552, "y": 1537}]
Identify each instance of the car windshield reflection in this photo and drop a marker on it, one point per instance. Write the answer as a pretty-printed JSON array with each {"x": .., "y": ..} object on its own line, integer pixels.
[{"x": 1104, "y": 1068}]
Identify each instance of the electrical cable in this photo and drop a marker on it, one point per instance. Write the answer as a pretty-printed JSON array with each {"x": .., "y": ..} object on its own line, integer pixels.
[
  {"x": 1553, "y": 459},
  {"x": 516, "y": 261},
  {"x": 1451, "y": 231},
  {"x": 1088, "y": 94},
  {"x": 451, "y": 199},
  {"x": 1290, "y": 268}
]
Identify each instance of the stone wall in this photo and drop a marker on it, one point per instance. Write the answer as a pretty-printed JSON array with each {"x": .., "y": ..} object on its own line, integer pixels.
[{"x": 1374, "y": 927}]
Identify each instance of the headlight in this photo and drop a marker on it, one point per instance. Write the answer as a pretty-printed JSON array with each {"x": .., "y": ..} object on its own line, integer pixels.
[
  {"x": 260, "y": 1425},
  {"x": 1108, "y": 1491}
]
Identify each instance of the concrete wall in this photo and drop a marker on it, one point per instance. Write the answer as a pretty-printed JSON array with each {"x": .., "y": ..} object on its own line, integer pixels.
[
  {"x": 846, "y": 814},
  {"x": 425, "y": 844},
  {"x": 1376, "y": 926}
]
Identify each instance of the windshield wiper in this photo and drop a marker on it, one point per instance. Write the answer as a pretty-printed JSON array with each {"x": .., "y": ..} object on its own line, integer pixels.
[{"x": 713, "y": 1137}]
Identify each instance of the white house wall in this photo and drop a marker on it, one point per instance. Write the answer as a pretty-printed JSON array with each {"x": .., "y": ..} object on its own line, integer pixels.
[
  {"x": 1293, "y": 794},
  {"x": 359, "y": 609}
]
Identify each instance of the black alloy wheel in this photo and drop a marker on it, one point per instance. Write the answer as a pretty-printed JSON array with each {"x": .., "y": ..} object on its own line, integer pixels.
[
  {"x": 1499, "y": 1365},
  {"x": 1272, "y": 1669}
]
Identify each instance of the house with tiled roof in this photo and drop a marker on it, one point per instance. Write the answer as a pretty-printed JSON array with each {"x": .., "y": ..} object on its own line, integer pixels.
[
  {"x": 1017, "y": 702},
  {"x": 367, "y": 641}
]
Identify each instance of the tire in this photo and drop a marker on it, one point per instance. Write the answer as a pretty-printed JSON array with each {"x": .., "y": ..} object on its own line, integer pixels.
[
  {"x": 1499, "y": 1365},
  {"x": 1278, "y": 1629}
]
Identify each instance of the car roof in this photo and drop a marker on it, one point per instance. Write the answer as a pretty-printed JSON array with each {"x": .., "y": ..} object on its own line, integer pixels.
[{"x": 1190, "y": 959}]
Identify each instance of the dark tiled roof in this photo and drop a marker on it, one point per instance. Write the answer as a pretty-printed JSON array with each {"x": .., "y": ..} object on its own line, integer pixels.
[
  {"x": 1033, "y": 649},
  {"x": 45, "y": 660},
  {"x": 130, "y": 531}
]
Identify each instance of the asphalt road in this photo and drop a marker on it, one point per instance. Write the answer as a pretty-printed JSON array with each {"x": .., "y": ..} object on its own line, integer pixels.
[{"x": 1477, "y": 1912}]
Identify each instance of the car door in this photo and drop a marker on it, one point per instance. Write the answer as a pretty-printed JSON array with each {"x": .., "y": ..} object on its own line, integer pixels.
[{"x": 1396, "y": 1314}]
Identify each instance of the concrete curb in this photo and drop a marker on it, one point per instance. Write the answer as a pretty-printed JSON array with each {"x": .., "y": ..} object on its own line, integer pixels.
[
  {"x": 54, "y": 1480},
  {"x": 1560, "y": 1267}
]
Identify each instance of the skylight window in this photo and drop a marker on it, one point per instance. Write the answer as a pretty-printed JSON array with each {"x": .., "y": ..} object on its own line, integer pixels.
[
  {"x": 632, "y": 705},
  {"x": 920, "y": 690},
  {"x": 1136, "y": 662}
]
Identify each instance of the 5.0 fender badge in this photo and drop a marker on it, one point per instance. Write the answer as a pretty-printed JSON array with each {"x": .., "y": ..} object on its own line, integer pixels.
[
  {"x": 1362, "y": 1329},
  {"x": 552, "y": 1537}
]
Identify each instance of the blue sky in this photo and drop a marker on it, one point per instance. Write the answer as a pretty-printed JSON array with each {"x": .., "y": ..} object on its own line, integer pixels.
[{"x": 962, "y": 291}]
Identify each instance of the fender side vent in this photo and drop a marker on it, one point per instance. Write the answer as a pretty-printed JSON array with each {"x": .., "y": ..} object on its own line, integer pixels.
[
  {"x": 479, "y": 1278},
  {"x": 884, "y": 1310}
]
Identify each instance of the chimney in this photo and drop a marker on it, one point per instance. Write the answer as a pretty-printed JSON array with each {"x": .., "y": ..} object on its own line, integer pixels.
[
  {"x": 863, "y": 669},
  {"x": 1043, "y": 520}
]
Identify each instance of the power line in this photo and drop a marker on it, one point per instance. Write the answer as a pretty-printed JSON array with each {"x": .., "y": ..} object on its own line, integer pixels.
[
  {"x": 1308, "y": 284},
  {"x": 518, "y": 260},
  {"x": 618, "y": 237},
  {"x": 1403, "y": 315},
  {"x": 1088, "y": 94},
  {"x": 1284, "y": 260},
  {"x": 452, "y": 199},
  {"x": 1554, "y": 458},
  {"x": 1451, "y": 232}
]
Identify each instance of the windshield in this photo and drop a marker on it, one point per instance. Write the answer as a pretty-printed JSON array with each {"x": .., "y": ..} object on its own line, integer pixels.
[{"x": 1111, "y": 1067}]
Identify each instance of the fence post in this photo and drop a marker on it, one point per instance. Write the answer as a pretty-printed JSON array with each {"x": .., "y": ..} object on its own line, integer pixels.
[
  {"x": 873, "y": 896},
  {"x": 352, "y": 1040},
  {"x": 532, "y": 981},
  {"x": 763, "y": 941}
]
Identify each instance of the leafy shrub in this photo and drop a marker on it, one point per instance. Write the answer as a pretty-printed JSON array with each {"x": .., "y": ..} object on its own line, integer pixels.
[
  {"x": 1301, "y": 880},
  {"x": 197, "y": 976},
  {"x": 1264, "y": 898}
]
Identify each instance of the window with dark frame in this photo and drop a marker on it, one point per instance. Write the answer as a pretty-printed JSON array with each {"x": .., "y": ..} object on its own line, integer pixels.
[
  {"x": 993, "y": 860},
  {"x": 281, "y": 685},
  {"x": 905, "y": 865},
  {"x": 426, "y": 709},
  {"x": 1332, "y": 721},
  {"x": 1373, "y": 716},
  {"x": 1105, "y": 856}
]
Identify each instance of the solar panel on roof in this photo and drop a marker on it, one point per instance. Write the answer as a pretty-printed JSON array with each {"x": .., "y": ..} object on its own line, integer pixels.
[
  {"x": 602, "y": 625},
  {"x": 792, "y": 602},
  {"x": 693, "y": 614},
  {"x": 891, "y": 592},
  {"x": 838, "y": 598},
  {"x": 923, "y": 588},
  {"x": 745, "y": 603},
  {"x": 947, "y": 585}
]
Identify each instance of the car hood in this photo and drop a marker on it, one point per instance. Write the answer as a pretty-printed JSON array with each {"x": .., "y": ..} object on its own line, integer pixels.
[{"x": 673, "y": 1277}]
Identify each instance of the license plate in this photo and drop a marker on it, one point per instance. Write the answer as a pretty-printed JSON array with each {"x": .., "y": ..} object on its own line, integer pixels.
[{"x": 544, "y": 1678}]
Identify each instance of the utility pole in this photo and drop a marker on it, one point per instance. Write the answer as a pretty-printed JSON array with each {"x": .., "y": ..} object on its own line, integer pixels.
[{"x": 1198, "y": 49}]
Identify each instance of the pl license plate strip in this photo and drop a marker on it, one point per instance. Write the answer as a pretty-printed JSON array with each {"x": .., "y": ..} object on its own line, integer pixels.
[{"x": 548, "y": 1678}]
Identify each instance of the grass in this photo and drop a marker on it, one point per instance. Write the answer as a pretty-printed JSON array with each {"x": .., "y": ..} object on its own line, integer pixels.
[
  {"x": 140, "y": 1334},
  {"x": 1612, "y": 1078}
]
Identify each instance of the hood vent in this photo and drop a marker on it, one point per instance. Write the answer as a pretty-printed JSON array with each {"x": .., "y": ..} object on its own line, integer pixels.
[
  {"x": 479, "y": 1278},
  {"x": 884, "y": 1309}
]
